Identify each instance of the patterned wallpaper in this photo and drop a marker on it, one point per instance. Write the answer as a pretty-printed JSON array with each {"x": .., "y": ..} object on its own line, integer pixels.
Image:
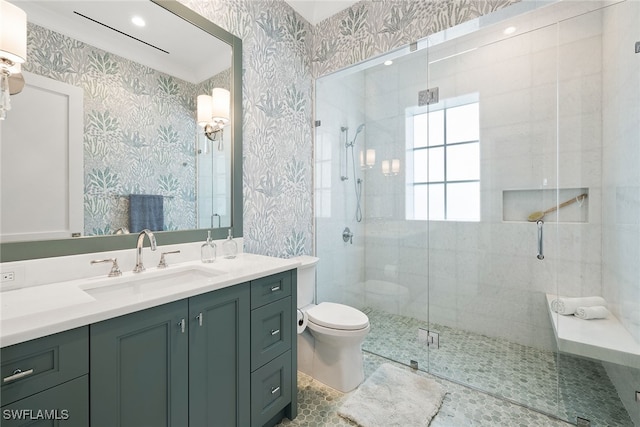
[
  {"x": 277, "y": 108},
  {"x": 139, "y": 129},
  {"x": 371, "y": 28},
  {"x": 282, "y": 54}
]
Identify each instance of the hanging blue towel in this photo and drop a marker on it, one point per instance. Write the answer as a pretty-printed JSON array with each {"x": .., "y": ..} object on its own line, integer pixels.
[{"x": 146, "y": 211}]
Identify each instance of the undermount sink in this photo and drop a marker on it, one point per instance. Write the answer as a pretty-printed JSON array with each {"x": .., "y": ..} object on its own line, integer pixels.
[{"x": 145, "y": 284}]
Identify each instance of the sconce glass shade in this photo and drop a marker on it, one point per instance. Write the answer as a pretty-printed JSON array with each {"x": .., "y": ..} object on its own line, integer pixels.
[
  {"x": 395, "y": 166},
  {"x": 220, "y": 105},
  {"x": 371, "y": 157},
  {"x": 13, "y": 33},
  {"x": 205, "y": 109},
  {"x": 385, "y": 167}
]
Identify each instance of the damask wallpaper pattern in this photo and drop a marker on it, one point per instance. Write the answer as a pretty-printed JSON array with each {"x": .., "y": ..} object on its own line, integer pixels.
[{"x": 283, "y": 54}]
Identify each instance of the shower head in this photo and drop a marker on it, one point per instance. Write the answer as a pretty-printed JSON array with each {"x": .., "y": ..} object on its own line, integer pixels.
[{"x": 360, "y": 128}]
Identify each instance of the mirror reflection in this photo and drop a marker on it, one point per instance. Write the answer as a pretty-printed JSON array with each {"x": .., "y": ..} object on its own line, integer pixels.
[{"x": 104, "y": 138}]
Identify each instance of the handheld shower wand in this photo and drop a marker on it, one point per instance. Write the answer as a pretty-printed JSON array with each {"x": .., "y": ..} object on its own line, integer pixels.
[{"x": 358, "y": 181}]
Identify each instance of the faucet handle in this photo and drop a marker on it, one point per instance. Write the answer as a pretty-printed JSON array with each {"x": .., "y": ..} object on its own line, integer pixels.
[
  {"x": 163, "y": 261},
  {"x": 115, "y": 269}
]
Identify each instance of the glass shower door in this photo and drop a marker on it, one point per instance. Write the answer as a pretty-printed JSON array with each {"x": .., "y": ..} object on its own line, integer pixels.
[{"x": 492, "y": 156}]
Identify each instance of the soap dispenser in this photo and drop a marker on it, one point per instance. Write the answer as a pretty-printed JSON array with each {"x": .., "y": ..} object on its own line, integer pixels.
[
  {"x": 229, "y": 247},
  {"x": 208, "y": 250}
]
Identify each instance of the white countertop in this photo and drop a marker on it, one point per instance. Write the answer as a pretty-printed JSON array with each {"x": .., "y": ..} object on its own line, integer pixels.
[
  {"x": 602, "y": 339},
  {"x": 36, "y": 311}
]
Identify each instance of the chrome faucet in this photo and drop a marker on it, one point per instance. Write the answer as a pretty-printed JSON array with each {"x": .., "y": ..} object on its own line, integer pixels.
[{"x": 152, "y": 241}]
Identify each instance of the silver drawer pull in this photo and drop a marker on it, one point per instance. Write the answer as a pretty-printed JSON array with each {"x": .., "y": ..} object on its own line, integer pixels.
[
  {"x": 274, "y": 390},
  {"x": 275, "y": 332},
  {"x": 275, "y": 288},
  {"x": 181, "y": 325},
  {"x": 17, "y": 374},
  {"x": 199, "y": 317}
]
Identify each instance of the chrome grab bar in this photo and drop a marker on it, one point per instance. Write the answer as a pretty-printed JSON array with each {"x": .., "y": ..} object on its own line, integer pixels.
[{"x": 540, "y": 223}]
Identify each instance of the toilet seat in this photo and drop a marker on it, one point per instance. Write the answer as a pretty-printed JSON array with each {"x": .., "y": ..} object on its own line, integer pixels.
[{"x": 338, "y": 316}]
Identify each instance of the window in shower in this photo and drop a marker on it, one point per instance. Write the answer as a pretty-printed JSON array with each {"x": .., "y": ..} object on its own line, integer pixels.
[{"x": 443, "y": 154}]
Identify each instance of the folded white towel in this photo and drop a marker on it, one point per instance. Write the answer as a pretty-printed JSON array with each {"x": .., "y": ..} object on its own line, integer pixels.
[
  {"x": 568, "y": 306},
  {"x": 595, "y": 312}
]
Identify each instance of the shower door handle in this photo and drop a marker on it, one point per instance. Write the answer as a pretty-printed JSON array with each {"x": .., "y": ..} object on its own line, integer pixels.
[{"x": 540, "y": 223}]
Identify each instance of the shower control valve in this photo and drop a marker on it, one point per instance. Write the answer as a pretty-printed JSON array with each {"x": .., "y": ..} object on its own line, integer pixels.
[{"x": 347, "y": 235}]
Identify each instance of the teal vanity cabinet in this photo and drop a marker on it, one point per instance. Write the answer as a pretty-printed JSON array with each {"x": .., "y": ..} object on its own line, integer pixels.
[
  {"x": 219, "y": 358},
  {"x": 45, "y": 381},
  {"x": 139, "y": 368},
  {"x": 273, "y": 354},
  {"x": 179, "y": 364}
]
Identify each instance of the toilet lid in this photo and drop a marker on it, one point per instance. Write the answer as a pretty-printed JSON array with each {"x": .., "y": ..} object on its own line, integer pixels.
[{"x": 337, "y": 316}]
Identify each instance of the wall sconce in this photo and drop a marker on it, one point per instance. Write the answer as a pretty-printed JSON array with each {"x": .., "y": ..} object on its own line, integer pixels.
[
  {"x": 368, "y": 158},
  {"x": 213, "y": 114},
  {"x": 13, "y": 49},
  {"x": 390, "y": 168}
]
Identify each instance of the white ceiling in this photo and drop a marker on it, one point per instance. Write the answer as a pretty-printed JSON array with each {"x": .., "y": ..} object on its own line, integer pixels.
[
  {"x": 191, "y": 54},
  {"x": 315, "y": 11}
]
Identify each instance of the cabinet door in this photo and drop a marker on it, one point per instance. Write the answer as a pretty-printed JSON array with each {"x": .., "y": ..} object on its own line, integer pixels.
[
  {"x": 139, "y": 368},
  {"x": 219, "y": 380}
]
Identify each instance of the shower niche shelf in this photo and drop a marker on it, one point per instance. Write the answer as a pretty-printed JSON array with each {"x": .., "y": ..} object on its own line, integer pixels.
[{"x": 517, "y": 205}]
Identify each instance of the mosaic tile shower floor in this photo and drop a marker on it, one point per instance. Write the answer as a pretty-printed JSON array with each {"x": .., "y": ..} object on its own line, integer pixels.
[
  {"x": 523, "y": 374},
  {"x": 462, "y": 407},
  {"x": 566, "y": 386}
]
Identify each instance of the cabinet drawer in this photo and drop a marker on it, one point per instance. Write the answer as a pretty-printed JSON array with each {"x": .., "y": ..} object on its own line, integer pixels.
[
  {"x": 36, "y": 365},
  {"x": 270, "y": 331},
  {"x": 270, "y": 288},
  {"x": 66, "y": 405},
  {"x": 270, "y": 389}
]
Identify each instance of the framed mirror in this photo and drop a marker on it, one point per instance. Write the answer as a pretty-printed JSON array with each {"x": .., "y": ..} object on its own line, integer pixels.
[{"x": 108, "y": 121}]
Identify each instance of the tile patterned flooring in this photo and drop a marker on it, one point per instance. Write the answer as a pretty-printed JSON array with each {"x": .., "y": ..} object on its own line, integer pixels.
[{"x": 507, "y": 371}]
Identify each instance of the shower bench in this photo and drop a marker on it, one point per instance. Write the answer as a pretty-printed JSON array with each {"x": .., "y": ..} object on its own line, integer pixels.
[{"x": 602, "y": 339}]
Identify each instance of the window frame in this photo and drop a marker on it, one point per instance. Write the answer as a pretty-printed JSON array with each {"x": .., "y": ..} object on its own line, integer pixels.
[{"x": 443, "y": 106}]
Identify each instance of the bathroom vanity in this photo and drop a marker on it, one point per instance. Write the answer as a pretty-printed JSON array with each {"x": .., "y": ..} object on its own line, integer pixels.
[{"x": 215, "y": 350}]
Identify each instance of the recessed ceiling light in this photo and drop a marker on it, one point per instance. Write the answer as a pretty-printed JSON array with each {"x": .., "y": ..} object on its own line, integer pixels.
[
  {"x": 138, "y": 21},
  {"x": 509, "y": 30},
  {"x": 388, "y": 62}
]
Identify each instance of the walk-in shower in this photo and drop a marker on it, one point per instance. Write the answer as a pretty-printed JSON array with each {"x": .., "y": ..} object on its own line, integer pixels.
[{"x": 524, "y": 121}]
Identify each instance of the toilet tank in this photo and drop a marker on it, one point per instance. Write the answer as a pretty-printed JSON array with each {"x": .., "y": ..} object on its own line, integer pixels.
[{"x": 306, "y": 280}]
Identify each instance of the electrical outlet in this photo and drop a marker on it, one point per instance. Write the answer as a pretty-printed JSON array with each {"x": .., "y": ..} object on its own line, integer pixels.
[{"x": 7, "y": 276}]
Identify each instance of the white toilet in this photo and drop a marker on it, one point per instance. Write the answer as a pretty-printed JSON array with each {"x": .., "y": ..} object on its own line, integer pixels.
[{"x": 332, "y": 352}]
